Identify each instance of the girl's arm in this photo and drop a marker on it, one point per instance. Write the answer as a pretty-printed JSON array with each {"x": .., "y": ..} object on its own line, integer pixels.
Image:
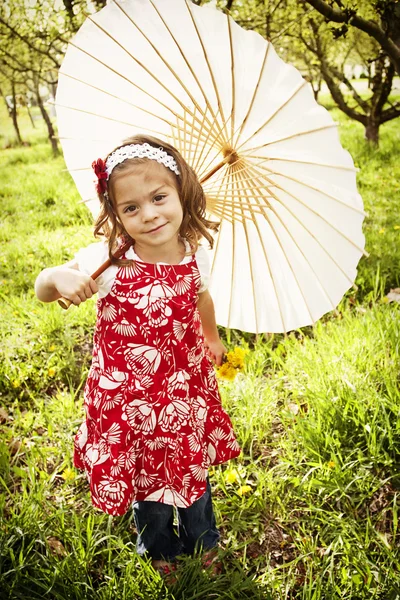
[
  {"x": 205, "y": 306},
  {"x": 65, "y": 281}
]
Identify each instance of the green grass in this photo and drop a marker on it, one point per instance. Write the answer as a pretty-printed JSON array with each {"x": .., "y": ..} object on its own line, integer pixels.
[{"x": 316, "y": 412}]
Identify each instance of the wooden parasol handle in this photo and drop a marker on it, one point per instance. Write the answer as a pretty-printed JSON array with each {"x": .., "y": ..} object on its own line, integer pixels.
[{"x": 65, "y": 303}]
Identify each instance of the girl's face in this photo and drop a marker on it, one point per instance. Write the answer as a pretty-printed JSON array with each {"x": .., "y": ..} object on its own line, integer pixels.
[{"x": 148, "y": 205}]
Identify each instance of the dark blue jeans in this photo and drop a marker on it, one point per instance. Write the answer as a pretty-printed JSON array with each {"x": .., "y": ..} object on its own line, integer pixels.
[{"x": 157, "y": 537}]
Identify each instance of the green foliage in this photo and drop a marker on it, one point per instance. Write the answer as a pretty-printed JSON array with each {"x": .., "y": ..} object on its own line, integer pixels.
[
  {"x": 309, "y": 510},
  {"x": 377, "y": 184}
]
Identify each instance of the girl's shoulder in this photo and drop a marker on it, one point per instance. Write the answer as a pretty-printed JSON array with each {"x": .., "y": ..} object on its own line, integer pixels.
[
  {"x": 204, "y": 266},
  {"x": 91, "y": 257},
  {"x": 202, "y": 257}
]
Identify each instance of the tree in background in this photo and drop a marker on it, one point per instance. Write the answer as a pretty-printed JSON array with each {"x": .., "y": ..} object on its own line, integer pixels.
[
  {"x": 8, "y": 81},
  {"x": 379, "y": 19},
  {"x": 371, "y": 111},
  {"x": 324, "y": 52},
  {"x": 34, "y": 38}
]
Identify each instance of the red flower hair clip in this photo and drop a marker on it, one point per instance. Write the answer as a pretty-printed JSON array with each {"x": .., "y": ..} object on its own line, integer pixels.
[{"x": 99, "y": 167}]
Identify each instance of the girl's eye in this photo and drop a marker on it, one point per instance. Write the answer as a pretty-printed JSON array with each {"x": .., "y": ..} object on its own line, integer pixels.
[
  {"x": 130, "y": 209},
  {"x": 158, "y": 198}
]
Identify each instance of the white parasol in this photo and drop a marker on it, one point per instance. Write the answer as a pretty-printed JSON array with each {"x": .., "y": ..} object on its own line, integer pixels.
[{"x": 269, "y": 156}]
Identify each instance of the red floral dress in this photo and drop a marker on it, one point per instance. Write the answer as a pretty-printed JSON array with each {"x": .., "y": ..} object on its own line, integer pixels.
[{"x": 154, "y": 420}]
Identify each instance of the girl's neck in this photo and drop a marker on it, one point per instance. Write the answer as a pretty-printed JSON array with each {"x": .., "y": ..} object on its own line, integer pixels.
[{"x": 171, "y": 254}]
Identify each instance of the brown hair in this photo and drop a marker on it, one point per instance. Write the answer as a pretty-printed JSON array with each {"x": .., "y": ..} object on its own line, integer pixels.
[{"x": 194, "y": 223}]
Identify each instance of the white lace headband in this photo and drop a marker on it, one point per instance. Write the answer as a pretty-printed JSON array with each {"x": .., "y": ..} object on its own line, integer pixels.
[{"x": 140, "y": 151}]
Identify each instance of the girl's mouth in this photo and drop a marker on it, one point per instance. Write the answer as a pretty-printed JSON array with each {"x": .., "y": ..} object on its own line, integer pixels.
[{"x": 156, "y": 229}]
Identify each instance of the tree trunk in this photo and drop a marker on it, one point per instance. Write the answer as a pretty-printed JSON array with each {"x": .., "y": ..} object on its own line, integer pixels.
[
  {"x": 6, "y": 103},
  {"x": 47, "y": 120},
  {"x": 316, "y": 83},
  {"x": 372, "y": 131},
  {"x": 30, "y": 116},
  {"x": 14, "y": 114}
]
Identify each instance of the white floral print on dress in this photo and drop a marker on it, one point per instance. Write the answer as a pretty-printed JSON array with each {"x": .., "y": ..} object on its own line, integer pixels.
[
  {"x": 140, "y": 416},
  {"x": 143, "y": 358},
  {"x": 154, "y": 420}
]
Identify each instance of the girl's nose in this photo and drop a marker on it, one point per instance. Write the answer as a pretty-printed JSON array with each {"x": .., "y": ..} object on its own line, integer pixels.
[{"x": 149, "y": 212}]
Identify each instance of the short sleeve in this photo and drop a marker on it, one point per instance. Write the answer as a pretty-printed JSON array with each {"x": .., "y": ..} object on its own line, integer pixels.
[
  {"x": 203, "y": 263},
  {"x": 89, "y": 259}
]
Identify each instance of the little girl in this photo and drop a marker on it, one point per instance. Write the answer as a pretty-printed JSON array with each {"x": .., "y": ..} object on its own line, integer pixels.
[{"x": 154, "y": 421}]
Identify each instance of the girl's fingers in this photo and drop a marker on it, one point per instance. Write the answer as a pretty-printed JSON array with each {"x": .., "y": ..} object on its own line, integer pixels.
[
  {"x": 218, "y": 360},
  {"x": 82, "y": 295},
  {"x": 93, "y": 286}
]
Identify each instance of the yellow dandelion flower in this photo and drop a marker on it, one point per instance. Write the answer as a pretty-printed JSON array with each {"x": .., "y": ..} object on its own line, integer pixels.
[
  {"x": 396, "y": 227},
  {"x": 382, "y": 230},
  {"x": 52, "y": 348},
  {"x": 226, "y": 371},
  {"x": 236, "y": 357},
  {"x": 231, "y": 476},
  {"x": 51, "y": 372},
  {"x": 68, "y": 474},
  {"x": 243, "y": 490},
  {"x": 16, "y": 383},
  {"x": 331, "y": 464}
]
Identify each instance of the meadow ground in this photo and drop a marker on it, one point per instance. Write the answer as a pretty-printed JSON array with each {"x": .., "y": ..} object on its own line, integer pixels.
[{"x": 309, "y": 510}]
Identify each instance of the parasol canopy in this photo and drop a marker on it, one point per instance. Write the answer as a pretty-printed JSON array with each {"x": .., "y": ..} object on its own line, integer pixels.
[{"x": 272, "y": 166}]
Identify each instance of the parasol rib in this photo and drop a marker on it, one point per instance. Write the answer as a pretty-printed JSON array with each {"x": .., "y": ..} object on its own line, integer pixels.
[
  {"x": 232, "y": 271},
  {"x": 218, "y": 238},
  {"x": 289, "y": 137},
  {"x": 201, "y": 151},
  {"x": 206, "y": 144},
  {"x": 92, "y": 114},
  {"x": 160, "y": 55},
  {"x": 232, "y": 77},
  {"x": 265, "y": 159},
  {"x": 271, "y": 117},
  {"x": 308, "y": 208},
  {"x": 302, "y": 162},
  {"x": 190, "y": 152},
  {"x": 85, "y": 83},
  {"x": 192, "y": 71},
  {"x": 220, "y": 174},
  {"x": 271, "y": 274},
  {"x": 221, "y": 110},
  {"x": 173, "y": 134},
  {"x": 201, "y": 167},
  {"x": 178, "y": 100},
  {"x": 288, "y": 262},
  {"x": 215, "y": 212},
  {"x": 248, "y": 250},
  {"x": 254, "y": 96},
  {"x": 316, "y": 189},
  {"x": 196, "y": 150},
  {"x": 179, "y": 131},
  {"x": 168, "y": 108},
  {"x": 310, "y": 234}
]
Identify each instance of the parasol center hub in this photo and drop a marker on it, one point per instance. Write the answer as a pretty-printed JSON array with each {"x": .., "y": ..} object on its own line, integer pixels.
[{"x": 230, "y": 155}]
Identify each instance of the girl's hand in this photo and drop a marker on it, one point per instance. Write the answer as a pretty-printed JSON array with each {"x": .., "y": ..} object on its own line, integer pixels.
[
  {"x": 216, "y": 351},
  {"x": 73, "y": 285}
]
